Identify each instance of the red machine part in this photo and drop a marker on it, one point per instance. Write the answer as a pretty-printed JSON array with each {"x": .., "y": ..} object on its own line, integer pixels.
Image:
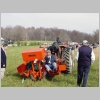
[
  {"x": 32, "y": 54},
  {"x": 29, "y": 56}
]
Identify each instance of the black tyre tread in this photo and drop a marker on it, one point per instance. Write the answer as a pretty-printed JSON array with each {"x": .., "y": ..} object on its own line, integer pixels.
[{"x": 66, "y": 56}]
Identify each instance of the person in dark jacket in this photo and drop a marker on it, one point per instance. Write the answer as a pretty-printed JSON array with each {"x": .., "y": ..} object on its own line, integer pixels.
[
  {"x": 50, "y": 62},
  {"x": 85, "y": 57},
  {"x": 3, "y": 58},
  {"x": 58, "y": 40}
]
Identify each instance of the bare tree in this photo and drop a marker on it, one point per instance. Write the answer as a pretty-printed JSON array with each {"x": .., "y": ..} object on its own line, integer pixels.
[
  {"x": 20, "y": 33},
  {"x": 96, "y": 36}
]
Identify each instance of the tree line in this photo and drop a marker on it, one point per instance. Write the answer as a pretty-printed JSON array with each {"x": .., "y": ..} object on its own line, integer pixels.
[{"x": 20, "y": 33}]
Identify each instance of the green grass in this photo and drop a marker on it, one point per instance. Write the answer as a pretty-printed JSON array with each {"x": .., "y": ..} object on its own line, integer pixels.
[{"x": 12, "y": 78}]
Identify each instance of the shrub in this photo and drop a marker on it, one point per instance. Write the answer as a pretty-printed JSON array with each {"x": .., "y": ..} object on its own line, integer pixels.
[
  {"x": 18, "y": 43},
  {"x": 24, "y": 43},
  {"x": 31, "y": 44},
  {"x": 21, "y": 44},
  {"x": 13, "y": 45}
]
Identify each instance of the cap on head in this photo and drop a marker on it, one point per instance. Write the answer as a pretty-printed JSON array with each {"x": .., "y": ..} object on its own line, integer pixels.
[{"x": 85, "y": 41}]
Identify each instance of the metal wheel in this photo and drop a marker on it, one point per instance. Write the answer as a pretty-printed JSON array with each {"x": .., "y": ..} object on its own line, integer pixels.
[
  {"x": 44, "y": 74},
  {"x": 32, "y": 77}
]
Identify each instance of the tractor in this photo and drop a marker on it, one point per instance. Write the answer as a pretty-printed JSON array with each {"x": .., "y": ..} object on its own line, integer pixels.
[
  {"x": 64, "y": 52},
  {"x": 34, "y": 66}
]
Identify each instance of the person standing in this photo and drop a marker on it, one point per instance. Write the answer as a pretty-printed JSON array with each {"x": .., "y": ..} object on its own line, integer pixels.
[
  {"x": 3, "y": 58},
  {"x": 85, "y": 57},
  {"x": 58, "y": 40}
]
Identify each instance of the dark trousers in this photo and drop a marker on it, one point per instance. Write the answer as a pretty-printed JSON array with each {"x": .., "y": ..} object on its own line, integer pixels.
[{"x": 83, "y": 74}]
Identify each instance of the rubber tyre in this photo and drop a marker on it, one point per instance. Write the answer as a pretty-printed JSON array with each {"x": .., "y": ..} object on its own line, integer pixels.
[{"x": 67, "y": 56}]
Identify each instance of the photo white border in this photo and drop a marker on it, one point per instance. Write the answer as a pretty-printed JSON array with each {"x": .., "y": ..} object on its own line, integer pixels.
[{"x": 49, "y": 6}]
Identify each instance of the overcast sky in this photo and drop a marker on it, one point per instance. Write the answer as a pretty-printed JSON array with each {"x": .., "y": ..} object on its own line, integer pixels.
[{"x": 83, "y": 22}]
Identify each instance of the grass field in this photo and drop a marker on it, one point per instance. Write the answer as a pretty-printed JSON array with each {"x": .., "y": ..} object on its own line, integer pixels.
[{"x": 12, "y": 78}]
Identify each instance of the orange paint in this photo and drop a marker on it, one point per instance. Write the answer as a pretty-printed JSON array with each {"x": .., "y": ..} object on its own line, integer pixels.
[{"x": 32, "y": 54}]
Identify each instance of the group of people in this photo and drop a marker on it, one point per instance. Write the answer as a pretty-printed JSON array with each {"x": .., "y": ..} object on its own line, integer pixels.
[{"x": 85, "y": 57}]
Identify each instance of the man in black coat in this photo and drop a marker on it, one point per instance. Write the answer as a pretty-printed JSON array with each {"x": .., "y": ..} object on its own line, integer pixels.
[
  {"x": 85, "y": 57},
  {"x": 3, "y": 58}
]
